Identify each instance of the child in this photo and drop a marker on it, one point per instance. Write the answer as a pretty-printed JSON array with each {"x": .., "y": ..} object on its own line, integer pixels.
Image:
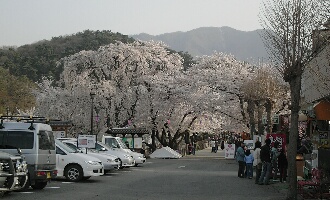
[{"x": 249, "y": 163}]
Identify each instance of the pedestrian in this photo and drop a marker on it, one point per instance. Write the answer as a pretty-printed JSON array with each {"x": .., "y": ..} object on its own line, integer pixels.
[
  {"x": 266, "y": 163},
  {"x": 282, "y": 165},
  {"x": 213, "y": 146},
  {"x": 249, "y": 163},
  {"x": 222, "y": 146},
  {"x": 257, "y": 161},
  {"x": 274, "y": 155},
  {"x": 240, "y": 159}
]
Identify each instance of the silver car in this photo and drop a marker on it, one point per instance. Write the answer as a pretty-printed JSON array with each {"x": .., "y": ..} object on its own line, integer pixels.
[{"x": 126, "y": 159}]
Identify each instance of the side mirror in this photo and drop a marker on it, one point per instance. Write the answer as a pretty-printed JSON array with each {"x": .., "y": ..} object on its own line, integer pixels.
[{"x": 19, "y": 151}]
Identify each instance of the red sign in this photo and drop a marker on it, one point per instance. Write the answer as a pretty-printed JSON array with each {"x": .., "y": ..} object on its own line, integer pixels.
[{"x": 281, "y": 138}]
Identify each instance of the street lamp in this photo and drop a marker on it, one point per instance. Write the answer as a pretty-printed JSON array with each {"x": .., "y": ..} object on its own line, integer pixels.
[{"x": 92, "y": 94}]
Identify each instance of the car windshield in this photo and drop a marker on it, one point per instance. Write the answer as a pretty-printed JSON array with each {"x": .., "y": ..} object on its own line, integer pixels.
[
  {"x": 65, "y": 147},
  {"x": 122, "y": 144},
  {"x": 16, "y": 139},
  {"x": 101, "y": 147},
  {"x": 112, "y": 142}
]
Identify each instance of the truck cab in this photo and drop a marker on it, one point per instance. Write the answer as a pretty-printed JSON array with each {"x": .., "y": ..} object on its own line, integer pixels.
[
  {"x": 117, "y": 144},
  {"x": 37, "y": 145}
]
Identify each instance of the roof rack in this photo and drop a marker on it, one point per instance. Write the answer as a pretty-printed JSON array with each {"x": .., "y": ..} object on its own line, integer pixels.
[{"x": 28, "y": 119}]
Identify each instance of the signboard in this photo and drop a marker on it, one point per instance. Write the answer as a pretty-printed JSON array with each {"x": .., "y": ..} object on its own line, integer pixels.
[
  {"x": 324, "y": 139},
  {"x": 229, "y": 151},
  {"x": 249, "y": 144},
  {"x": 86, "y": 141},
  {"x": 281, "y": 138},
  {"x": 59, "y": 134},
  {"x": 137, "y": 143},
  {"x": 275, "y": 119}
]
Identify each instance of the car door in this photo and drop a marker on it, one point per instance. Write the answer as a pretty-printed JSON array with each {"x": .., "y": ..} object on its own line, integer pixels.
[{"x": 61, "y": 158}]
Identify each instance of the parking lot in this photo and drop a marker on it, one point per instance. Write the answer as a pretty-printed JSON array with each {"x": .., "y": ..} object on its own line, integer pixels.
[{"x": 184, "y": 178}]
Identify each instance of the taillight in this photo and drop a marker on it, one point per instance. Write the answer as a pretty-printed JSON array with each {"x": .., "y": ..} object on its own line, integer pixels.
[{"x": 41, "y": 173}]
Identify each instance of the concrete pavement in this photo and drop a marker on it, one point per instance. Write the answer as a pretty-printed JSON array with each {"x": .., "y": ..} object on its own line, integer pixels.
[{"x": 206, "y": 153}]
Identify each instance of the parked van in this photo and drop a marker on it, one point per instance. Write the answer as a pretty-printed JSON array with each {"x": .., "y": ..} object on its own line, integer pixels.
[
  {"x": 117, "y": 144},
  {"x": 75, "y": 166},
  {"x": 37, "y": 144}
]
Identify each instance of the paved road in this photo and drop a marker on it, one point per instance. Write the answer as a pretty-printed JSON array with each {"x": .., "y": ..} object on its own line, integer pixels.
[{"x": 203, "y": 176}]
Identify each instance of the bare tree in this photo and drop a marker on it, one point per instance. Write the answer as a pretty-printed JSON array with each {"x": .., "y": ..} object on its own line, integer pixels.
[
  {"x": 288, "y": 33},
  {"x": 262, "y": 90}
]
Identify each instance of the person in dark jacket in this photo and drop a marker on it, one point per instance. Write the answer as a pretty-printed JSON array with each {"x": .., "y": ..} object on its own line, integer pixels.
[
  {"x": 265, "y": 158},
  {"x": 282, "y": 165}
]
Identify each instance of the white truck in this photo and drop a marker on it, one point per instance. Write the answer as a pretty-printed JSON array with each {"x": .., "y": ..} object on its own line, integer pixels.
[
  {"x": 36, "y": 142},
  {"x": 117, "y": 144}
]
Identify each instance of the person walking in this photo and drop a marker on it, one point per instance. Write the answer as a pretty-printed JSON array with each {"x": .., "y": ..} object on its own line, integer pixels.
[
  {"x": 266, "y": 163},
  {"x": 240, "y": 159},
  {"x": 257, "y": 161},
  {"x": 282, "y": 165},
  {"x": 249, "y": 163},
  {"x": 274, "y": 155}
]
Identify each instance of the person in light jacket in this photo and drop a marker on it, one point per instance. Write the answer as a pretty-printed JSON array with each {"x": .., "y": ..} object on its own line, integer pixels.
[
  {"x": 240, "y": 154},
  {"x": 249, "y": 163},
  {"x": 257, "y": 164}
]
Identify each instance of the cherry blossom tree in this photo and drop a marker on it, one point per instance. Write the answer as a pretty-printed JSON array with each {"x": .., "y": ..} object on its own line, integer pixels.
[{"x": 144, "y": 85}]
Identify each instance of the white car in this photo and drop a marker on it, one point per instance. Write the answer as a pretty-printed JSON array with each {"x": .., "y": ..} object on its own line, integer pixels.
[
  {"x": 76, "y": 166},
  {"x": 110, "y": 162},
  {"x": 117, "y": 144},
  {"x": 126, "y": 159}
]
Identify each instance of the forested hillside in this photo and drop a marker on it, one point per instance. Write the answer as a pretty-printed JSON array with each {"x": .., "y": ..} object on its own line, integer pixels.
[{"x": 39, "y": 59}]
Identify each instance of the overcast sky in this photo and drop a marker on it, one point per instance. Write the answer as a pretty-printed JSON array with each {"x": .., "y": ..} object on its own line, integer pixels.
[{"x": 28, "y": 21}]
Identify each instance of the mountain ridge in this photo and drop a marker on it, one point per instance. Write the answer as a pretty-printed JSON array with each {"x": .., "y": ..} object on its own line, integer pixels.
[{"x": 244, "y": 45}]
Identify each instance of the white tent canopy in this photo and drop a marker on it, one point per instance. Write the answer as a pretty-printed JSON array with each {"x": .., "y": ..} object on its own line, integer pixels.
[{"x": 165, "y": 152}]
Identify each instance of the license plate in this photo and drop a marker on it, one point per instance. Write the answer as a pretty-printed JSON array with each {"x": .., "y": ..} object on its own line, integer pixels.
[{"x": 48, "y": 175}]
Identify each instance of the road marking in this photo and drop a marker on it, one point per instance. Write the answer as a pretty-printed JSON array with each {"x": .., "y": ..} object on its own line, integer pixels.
[
  {"x": 67, "y": 182},
  {"x": 26, "y": 192},
  {"x": 181, "y": 166},
  {"x": 52, "y": 187}
]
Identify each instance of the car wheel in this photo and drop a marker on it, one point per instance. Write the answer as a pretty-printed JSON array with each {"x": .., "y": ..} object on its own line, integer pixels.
[
  {"x": 121, "y": 164},
  {"x": 73, "y": 173},
  {"x": 26, "y": 186},
  {"x": 39, "y": 185}
]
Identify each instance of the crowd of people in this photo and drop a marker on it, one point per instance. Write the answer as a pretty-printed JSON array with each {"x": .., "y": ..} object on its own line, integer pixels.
[{"x": 266, "y": 160}]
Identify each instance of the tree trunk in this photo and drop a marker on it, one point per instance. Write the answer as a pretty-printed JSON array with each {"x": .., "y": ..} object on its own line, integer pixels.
[
  {"x": 252, "y": 123},
  {"x": 268, "y": 107},
  {"x": 295, "y": 85},
  {"x": 260, "y": 125}
]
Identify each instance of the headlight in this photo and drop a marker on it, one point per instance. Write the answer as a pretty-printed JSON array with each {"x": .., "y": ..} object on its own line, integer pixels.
[
  {"x": 18, "y": 166},
  {"x": 24, "y": 166},
  {"x": 92, "y": 162}
]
